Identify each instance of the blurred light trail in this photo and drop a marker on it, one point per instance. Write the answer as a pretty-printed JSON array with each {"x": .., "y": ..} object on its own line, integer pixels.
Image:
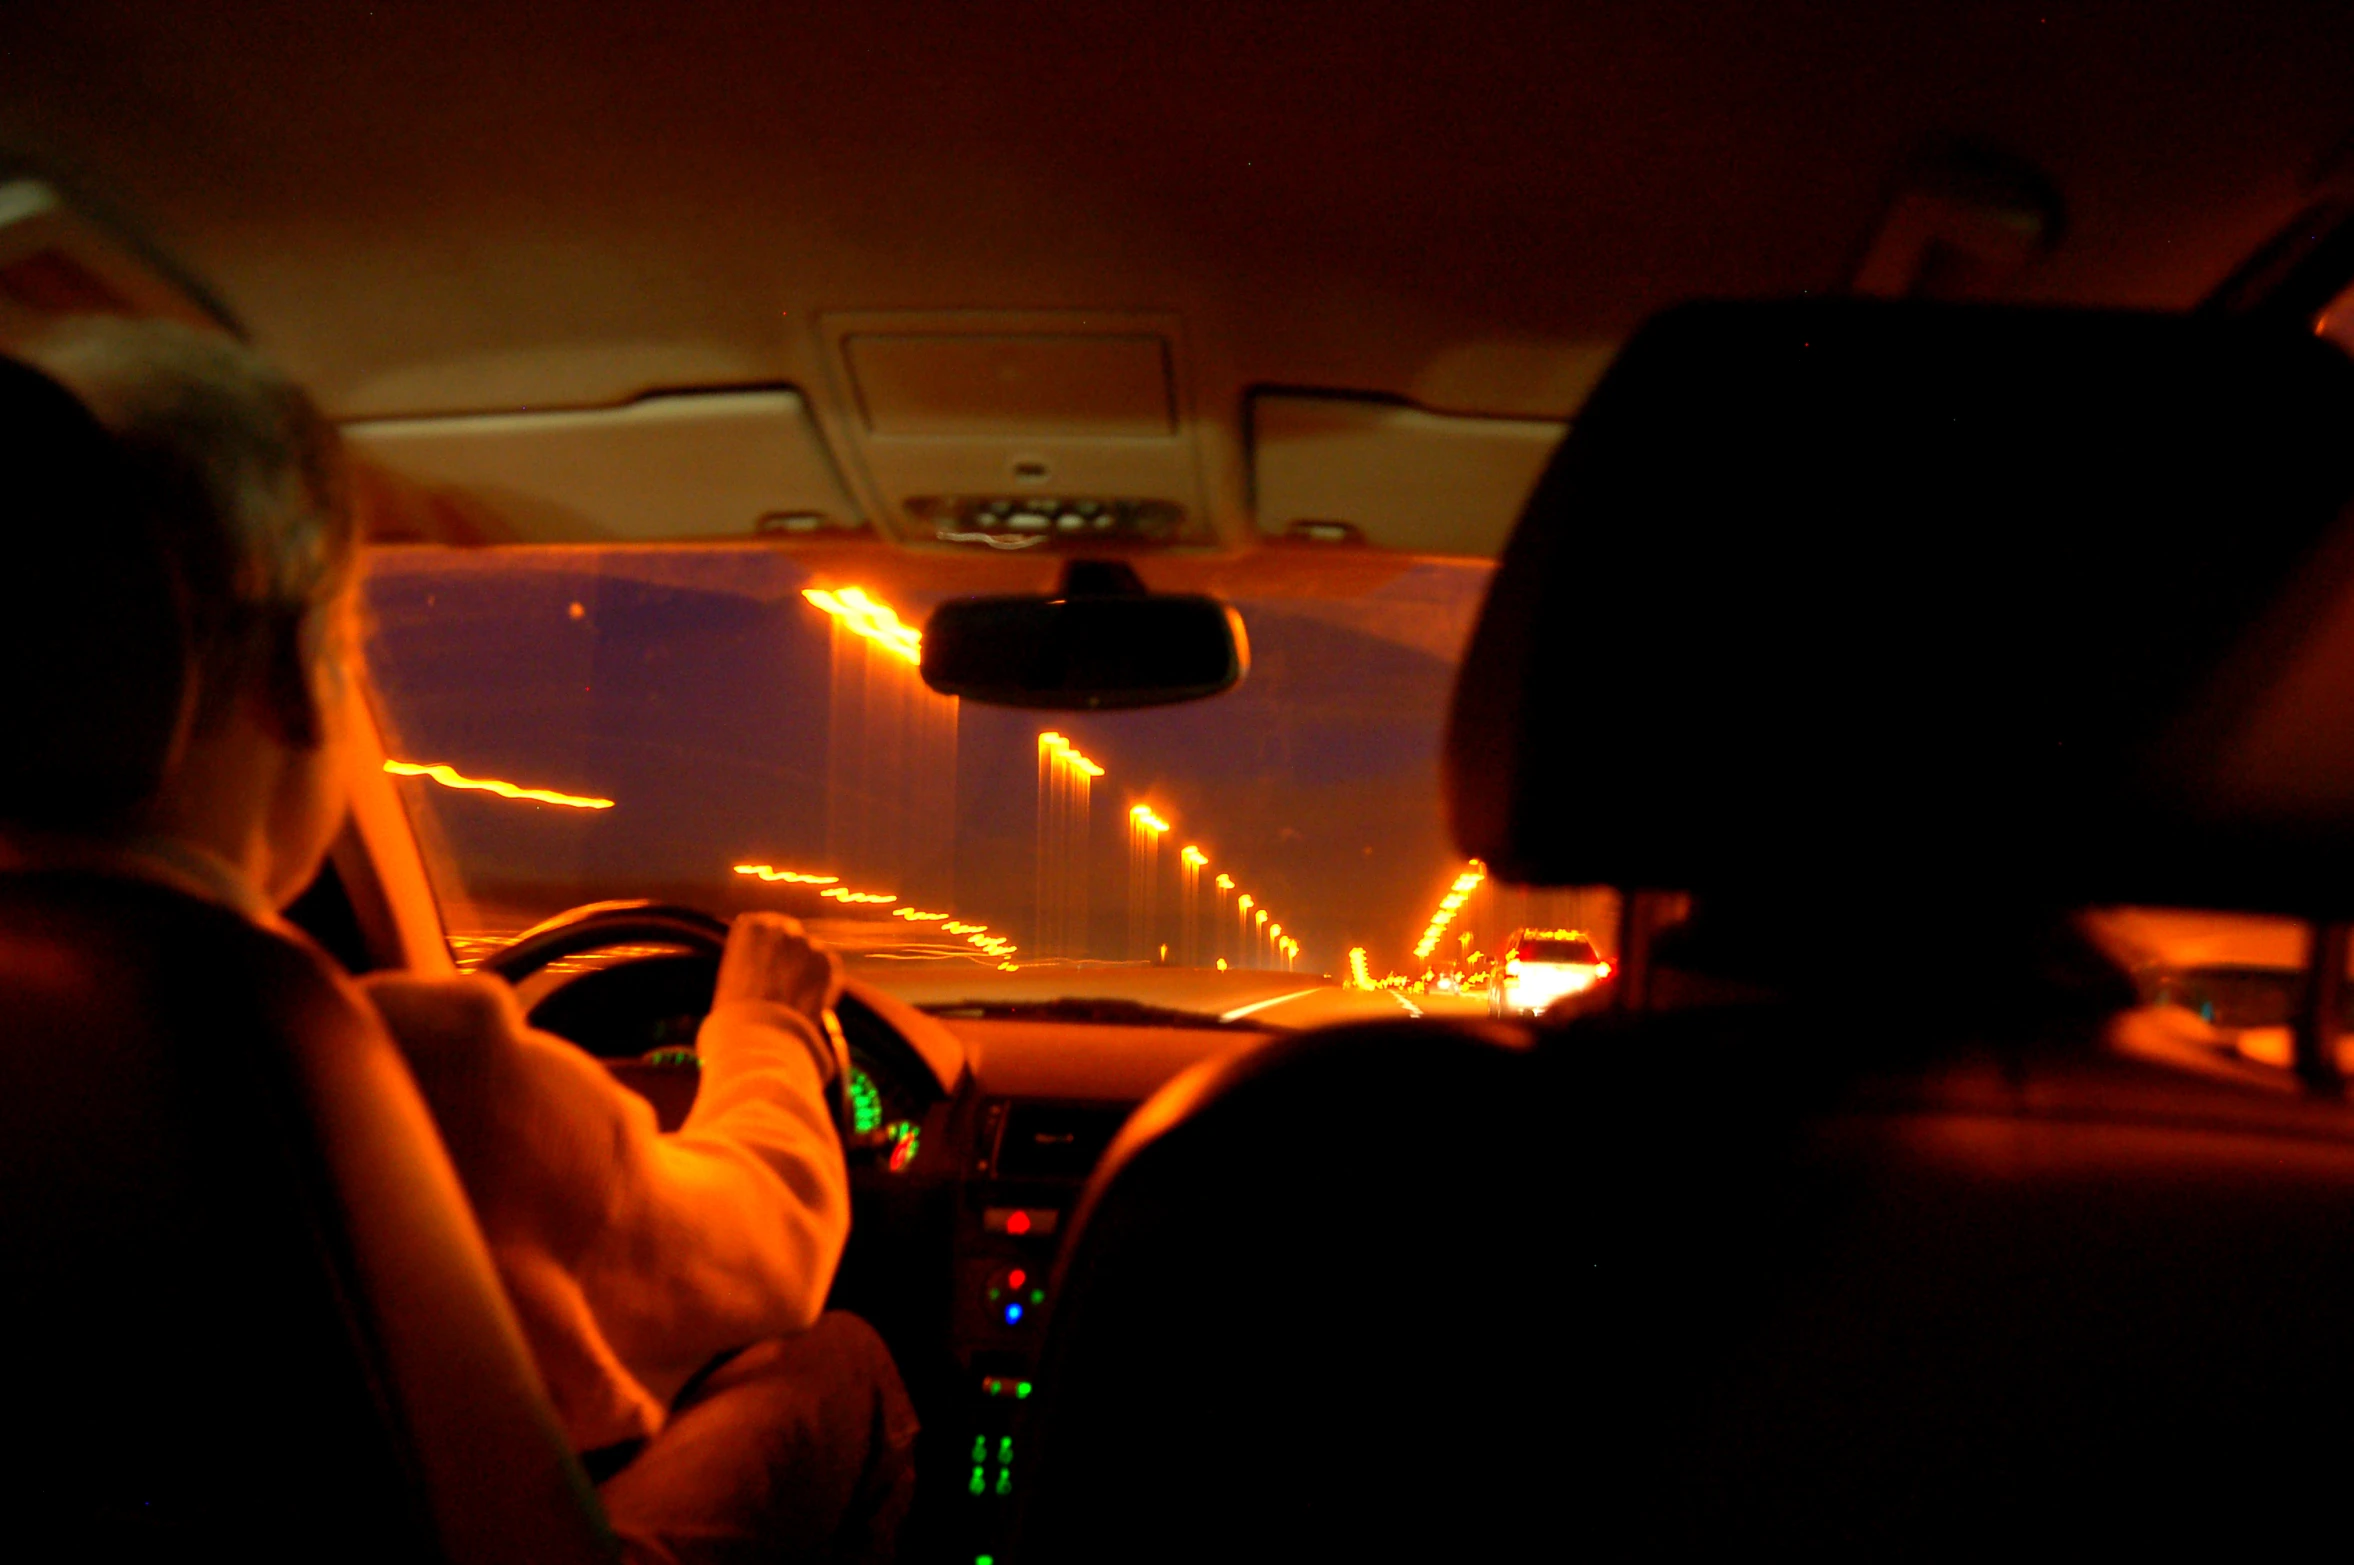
[
  {"x": 877, "y": 622},
  {"x": 1065, "y": 780},
  {"x": 841, "y": 895},
  {"x": 1189, "y": 905},
  {"x": 1457, "y": 895},
  {"x": 1224, "y": 884},
  {"x": 1057, "y": 743},
  {"x": 789, "y": 877},
  {"x": 1145, "y": 829},
  {"x": 1359, "y": 976},
  {"x": 955, "y": 928},
  {"x": 914, "y": 917},
  {"x": 449, "y": 778}
]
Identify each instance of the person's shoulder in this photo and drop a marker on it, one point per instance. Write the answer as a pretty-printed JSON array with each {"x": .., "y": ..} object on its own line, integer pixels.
[{"x": 430, "y": 1014}]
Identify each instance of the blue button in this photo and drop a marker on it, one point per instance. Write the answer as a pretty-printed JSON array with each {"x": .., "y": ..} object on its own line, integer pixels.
[{"x": 1013, "y": 1315}]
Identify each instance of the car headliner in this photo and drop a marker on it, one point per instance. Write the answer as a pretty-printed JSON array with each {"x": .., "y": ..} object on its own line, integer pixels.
[{"x": 533, "y": 205}]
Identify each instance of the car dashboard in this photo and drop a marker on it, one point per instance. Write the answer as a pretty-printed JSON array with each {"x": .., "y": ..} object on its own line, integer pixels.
[
  {"x": 952, "y": 1251},
  {"x": 971, "y": 1139}
]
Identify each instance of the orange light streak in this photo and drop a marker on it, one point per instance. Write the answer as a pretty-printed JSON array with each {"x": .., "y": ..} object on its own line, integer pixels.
[
  {"x": 1195, "y": 857},
  {"x": 963, "y": 929},
  {"x": 1060, "y": 746},
  {"x": 790, "y": 877},
  {"x": 875, "y": 621},
  {"x": 839, "y": 894},
  {"x": 450, "y": 778},
  {"x": 1457, "y": 894},
  {"x": 1143, "y": 816},
  {"x": 914, "y": 917}
]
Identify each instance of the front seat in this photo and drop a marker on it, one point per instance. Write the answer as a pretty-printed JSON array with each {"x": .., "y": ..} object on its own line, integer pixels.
[
  {"x": 246, "y": 1313},
  {"x": 1311, "y": 1301},
  {"x": 1900, "y": 630}
]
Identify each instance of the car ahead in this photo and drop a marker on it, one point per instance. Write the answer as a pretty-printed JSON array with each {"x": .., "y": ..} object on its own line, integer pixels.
[{"x": 1539, "y": 966}]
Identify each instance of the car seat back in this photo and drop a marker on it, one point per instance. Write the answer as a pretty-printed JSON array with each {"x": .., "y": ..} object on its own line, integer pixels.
[
  {"x": 1930, "y": 598},
  {"x": 1313, "y": 1297},
  {"x": 245, "y": 1311}
]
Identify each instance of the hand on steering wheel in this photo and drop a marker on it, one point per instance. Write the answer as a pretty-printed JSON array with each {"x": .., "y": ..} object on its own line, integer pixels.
[
  {"x": 769, "y": 957},
  {"x": 764, "y": 956}
]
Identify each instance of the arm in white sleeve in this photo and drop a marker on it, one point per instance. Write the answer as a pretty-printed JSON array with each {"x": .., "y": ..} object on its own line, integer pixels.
[{"x": 683, "y": 1245}]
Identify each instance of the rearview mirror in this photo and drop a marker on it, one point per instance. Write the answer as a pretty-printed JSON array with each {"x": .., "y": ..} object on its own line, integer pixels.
[{"x": 1101, "y": 642}]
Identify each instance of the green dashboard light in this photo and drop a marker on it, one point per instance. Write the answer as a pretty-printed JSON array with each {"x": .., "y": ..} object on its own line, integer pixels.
[
  {"x": 1005, "y": 1480},
  {"x": 1021, "y": 1389},
  {"x": 1005, "y": 1448},
  {"x": 1037, "y": 1295},
  {"x": 980, "y": 1483},
  {"x": 866, "y": 1103}
]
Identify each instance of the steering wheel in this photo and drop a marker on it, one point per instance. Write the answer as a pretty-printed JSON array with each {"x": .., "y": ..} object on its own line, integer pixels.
[{"x": 598, "y": 926}]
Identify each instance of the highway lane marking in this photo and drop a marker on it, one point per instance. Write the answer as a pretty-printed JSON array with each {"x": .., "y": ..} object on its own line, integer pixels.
[
  {"x": 1412, "y": 1009},
  {"x": 1241, "y": 1011}
]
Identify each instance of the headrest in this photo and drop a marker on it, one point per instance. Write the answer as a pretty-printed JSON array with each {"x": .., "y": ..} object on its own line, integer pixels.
[
  {"x": 1931, "y": 600},
  {"x": 95, "y": 680}
]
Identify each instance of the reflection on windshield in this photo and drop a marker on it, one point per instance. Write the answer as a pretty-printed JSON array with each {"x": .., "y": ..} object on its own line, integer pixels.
[{"x": 735, "y": 727}]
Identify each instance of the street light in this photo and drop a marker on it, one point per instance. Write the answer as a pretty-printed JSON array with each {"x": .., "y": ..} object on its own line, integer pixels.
[
  {"x": 1225, "y": 883},
  {"x": 1145, "y": 828},
  {"x": 1457, "y": 895},
  {"x": 1189, "y": 901}
]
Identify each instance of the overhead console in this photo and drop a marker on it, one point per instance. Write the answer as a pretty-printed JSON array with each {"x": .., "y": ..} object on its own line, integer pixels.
[
  {"x": 1016, "y": 432},
  {"x": 692, "y": 465}
]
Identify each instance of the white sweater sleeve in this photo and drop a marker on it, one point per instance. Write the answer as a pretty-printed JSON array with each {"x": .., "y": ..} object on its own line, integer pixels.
[
  {"x": 682, "y": 1245},
  {"x": 729, "y": 1229}
]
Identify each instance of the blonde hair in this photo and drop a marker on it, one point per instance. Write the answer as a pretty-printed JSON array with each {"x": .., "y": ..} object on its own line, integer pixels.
[{"x": 250, "y": 493}]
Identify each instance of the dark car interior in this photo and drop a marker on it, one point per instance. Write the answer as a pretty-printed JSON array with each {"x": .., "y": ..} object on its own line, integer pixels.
[{"x": 1923, "y": 613}]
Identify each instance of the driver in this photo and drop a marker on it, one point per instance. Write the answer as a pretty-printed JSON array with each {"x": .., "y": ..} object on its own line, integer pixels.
[{"x": 672, "y": 1287}]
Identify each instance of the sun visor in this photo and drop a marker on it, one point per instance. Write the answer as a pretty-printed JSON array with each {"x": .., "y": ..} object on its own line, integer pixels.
[
  {"x": 720, "y": 464},
  {"x": 1011, "y": 433},
  {"x": 1338, "y": 469},
  {"x": 1931, "y": 600},
  {"x": 55, "y": 262}
]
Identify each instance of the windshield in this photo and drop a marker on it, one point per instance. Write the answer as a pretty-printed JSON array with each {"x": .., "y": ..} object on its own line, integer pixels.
[{"x": 742, "y": 726}]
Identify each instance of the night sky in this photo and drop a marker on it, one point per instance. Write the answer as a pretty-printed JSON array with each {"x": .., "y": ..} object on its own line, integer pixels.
[{"x": 693, "y": 686}]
